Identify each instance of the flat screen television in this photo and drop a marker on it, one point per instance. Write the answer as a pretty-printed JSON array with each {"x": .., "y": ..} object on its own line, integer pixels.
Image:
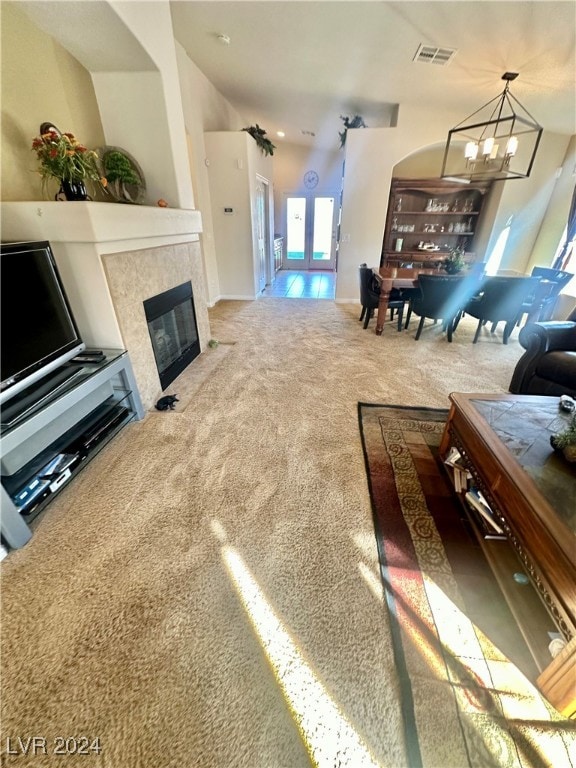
[{"x": 38, "y": 331}]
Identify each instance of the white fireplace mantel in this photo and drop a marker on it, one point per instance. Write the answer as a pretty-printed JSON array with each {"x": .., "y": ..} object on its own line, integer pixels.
[{"x": 92, "y": 222}]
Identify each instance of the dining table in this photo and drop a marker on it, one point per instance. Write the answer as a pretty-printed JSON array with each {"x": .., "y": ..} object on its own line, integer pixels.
[
  {"x": 396, "y": 277},
  {"x": 407, "y": 277}
]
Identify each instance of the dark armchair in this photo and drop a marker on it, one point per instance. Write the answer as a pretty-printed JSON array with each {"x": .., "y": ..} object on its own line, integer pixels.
[{"x": 548, "y": 367}]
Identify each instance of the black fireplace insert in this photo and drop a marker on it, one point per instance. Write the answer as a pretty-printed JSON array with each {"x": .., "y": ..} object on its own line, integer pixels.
[{"x": 173, "y": 331}]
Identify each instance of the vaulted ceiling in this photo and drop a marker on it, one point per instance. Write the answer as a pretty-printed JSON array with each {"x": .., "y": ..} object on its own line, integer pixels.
[{"x": 297, "y": 66}]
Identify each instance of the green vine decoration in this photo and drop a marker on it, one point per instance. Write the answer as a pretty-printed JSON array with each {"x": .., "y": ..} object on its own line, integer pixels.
[
  {"x": 355, "y": 122},
  {"x": 259, "y": 136}
]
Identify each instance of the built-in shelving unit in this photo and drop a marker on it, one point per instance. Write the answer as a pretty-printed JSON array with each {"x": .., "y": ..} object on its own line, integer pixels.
[{"x": 426, "y": 218}]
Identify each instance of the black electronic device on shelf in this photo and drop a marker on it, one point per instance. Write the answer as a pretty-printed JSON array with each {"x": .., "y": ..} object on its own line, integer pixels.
[
  {"x": 51, "y": 469},
  {"x": 97, "y": 426}
]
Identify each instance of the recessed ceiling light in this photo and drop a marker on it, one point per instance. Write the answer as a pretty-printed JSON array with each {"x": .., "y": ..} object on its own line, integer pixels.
[{"x": 281, "y": 134}]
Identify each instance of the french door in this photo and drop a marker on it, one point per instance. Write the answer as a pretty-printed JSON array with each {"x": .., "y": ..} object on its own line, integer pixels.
[{"x": 310, "y": 232}]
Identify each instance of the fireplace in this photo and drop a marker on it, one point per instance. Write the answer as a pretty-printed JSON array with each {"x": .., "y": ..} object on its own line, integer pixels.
[{"x": 173, "y": 331}]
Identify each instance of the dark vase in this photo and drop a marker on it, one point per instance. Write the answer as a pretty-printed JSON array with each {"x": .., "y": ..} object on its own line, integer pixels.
[{"x": 72, "y": 190}]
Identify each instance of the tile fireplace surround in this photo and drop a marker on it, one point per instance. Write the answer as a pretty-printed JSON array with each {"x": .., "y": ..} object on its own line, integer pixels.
[{"x": 111, "y": 258}]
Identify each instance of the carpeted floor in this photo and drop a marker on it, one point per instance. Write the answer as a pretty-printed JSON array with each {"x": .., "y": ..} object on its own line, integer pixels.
[
  {"x": 206, "y": 592},
  {"x": 459, "y": 689}
]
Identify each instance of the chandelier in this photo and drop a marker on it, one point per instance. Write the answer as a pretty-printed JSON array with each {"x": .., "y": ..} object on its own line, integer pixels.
[{"x": 497, "y": 142}]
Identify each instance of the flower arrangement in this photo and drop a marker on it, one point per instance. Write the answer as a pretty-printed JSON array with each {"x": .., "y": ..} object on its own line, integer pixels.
[
  {"x": 63, "y": 157},
  {"x": 259, "y": 136},
  {"x": 455, "y": 262}
]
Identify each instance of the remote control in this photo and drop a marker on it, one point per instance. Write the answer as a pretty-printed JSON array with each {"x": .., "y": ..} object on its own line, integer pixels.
[{"x": 89, "y": 356}]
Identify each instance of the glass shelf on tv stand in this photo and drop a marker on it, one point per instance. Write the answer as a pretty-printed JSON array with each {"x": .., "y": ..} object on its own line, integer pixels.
[{"x": 50, "y": 388}]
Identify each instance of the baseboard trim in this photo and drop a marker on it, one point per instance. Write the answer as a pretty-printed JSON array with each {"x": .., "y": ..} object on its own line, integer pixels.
[
  {"x": 233, "y": 297},
  {"x": 347, "y": 301}
]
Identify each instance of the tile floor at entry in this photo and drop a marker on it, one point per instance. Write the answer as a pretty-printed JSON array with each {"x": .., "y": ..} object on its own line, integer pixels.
[{"x": 302, "y": 284}]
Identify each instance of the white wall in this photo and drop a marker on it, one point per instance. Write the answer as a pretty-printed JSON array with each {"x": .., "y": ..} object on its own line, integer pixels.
[
  {"x": 204, "y": 109},
  {"x": 554, "y": 222},
  {"x": 234, "y": 160},
  {"x": 61, "y": 91},
  {"x": 371, "y": 155},
  {"x": 227, "y": 155}
]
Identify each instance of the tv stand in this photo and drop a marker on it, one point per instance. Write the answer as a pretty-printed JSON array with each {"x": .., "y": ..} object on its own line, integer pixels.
[
  {"x": 53, "y": 429},
  {"x": 35, "y": 395}
]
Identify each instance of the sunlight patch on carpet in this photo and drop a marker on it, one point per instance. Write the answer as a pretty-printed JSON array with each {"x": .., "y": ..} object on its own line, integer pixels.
[
  {"x": 373, "y": 581},
  {"x": 328, "y": 736}
]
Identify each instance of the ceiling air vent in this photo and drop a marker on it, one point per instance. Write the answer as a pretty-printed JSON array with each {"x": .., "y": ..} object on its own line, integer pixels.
[{"x": 429, "y": 54}]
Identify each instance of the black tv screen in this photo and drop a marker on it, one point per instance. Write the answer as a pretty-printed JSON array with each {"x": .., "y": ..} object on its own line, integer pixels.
[{"x": 38, "y": 331}]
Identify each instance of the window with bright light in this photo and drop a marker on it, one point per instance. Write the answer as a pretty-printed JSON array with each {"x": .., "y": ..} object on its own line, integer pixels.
[
  {"x": 493, "y": 263},
  {"x": 571, "y": 265}
]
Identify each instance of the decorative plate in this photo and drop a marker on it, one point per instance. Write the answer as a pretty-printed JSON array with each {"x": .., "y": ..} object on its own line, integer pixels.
[
  {"x": 47, "y": 127},
  {"x": 126, "y": 183}
]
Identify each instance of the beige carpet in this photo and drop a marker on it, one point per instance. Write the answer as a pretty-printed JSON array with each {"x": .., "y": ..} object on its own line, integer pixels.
[{"x": 206, "y": 593}]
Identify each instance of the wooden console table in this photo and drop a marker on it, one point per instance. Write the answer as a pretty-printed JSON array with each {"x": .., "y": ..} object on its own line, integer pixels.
[{"x": 504, "y": 441}]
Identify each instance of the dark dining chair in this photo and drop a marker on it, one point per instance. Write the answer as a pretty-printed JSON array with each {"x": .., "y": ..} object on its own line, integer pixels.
[
  {"x": 439, "y": 298},
  {"x": 370, "y": 297},
  {"x": 539, "y": 306},
  {"x": 500, "y": 300},
  {"x": 471, "y": 287}
]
